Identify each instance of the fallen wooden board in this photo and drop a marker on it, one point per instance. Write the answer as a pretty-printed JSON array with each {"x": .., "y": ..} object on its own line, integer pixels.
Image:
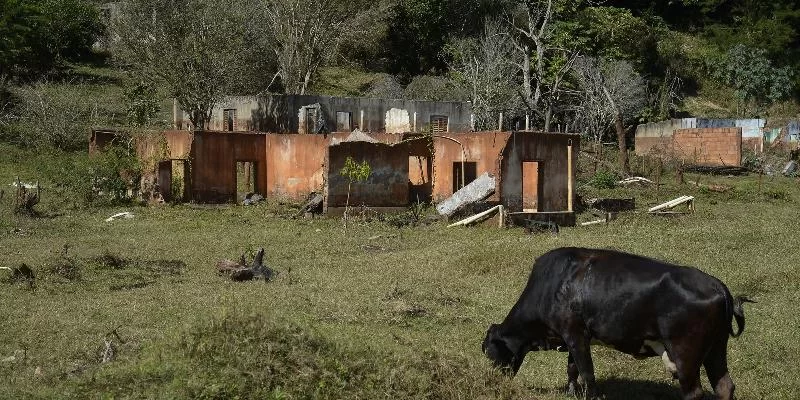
[
  {"x": 599, "y": 221},
  {"x": 672, "y": 203},
  {"x": 478, "y": 217},
  {"x": 634, "y": 179}
]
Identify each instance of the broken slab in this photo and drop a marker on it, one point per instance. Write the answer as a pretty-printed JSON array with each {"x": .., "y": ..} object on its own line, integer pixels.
[
  {"x": 476, "y": 191},
  {"x": 790, "y": 168}
]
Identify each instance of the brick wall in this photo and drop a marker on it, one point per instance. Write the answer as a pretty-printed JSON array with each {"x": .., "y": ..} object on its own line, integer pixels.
[{"x": 709, "y": 146}]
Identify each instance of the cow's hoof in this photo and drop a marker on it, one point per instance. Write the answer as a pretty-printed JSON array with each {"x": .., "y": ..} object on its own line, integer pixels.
[{"x": 573, "y": 389}]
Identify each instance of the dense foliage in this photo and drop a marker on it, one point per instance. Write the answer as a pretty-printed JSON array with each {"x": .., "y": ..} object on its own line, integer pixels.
[{"x": 516, "y": 57}]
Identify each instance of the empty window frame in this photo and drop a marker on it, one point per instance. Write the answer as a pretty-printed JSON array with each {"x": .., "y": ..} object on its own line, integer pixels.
[
  {"x": 344, "y": 121},
  {"x": 229, "y": 119},
  {"x": 463, "y": 174}
]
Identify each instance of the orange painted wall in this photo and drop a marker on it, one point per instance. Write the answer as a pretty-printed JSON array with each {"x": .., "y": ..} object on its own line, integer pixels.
[
  {"x": 483, "y": 148},
  {"x": 295, "y": 164},
  {"x": 213, "y": 163}
]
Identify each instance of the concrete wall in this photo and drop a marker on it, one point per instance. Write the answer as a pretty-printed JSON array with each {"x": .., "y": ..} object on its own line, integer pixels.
[
  {"x": 482, "y": 148},
  {"x": 388, "y": 183},
  {"x": 751, "y": 128},
  {"x": 213, "y": 164},
  {"x": 550, "y": 151},
  {"x": 295, "y": 165},
  {"x": 280, "y": 113},
  {"x": 709, "y": 146}
]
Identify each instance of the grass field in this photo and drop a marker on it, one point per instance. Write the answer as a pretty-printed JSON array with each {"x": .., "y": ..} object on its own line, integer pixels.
[{"x": 373, "y": 312}]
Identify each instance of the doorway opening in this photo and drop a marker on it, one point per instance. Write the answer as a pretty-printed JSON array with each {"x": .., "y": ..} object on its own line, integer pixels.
[{"x": 531, "y": 186}]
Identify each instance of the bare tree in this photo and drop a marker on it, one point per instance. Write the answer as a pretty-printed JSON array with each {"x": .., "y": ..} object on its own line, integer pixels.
[
  {"x": 193, "y": 47},
  {"x": 611, "y": 93},
  {"x": 543, "y": 64},
  {"x": 482, "y": 68},
  {"x": 306, "y": 34}
]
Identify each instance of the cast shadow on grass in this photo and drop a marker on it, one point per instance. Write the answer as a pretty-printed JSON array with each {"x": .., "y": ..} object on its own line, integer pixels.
[{"x": 626, "y": 389}]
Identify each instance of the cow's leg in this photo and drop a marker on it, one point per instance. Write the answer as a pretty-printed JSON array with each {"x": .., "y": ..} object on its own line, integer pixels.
[
  {"x": 687, "y": 357},
  {"x": 579, "y": 350},
  {"x": 573, "y": 389},
  {"x": 716, "y": 364}
]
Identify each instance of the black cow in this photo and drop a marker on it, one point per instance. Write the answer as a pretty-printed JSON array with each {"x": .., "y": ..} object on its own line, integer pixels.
[{"x": 643, "y": 307}]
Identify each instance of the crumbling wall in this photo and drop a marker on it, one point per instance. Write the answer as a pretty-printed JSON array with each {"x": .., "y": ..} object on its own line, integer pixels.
[
  {"x": 482, "y": 148},
  {"x": 550, "y": 151},
  {"x": 388, "y": 183},
  {"x": 710, "y": 146},
  {"x": 213, "y": 164},
  {"x": 295, "y": 164},
  {"x": 281, "y": 113}
]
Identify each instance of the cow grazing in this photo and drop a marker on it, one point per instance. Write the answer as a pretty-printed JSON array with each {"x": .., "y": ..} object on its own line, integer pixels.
[{"x": 643, "y": 307}]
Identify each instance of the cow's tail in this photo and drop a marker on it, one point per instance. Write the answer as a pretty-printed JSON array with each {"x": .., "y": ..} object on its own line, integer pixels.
[{"x": 735, "y": 305}]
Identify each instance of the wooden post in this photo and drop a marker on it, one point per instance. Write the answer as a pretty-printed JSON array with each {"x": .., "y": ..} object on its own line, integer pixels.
[
  {"x": 414, "y": 127},
  {"x": 569, "y": 175},
  {"x": 472, "y": 121},
  {"x": 527, "y": 122},
  {"x": 500, "y": 127},
  {"x": 658, "y": 178},
  {"x": 361, "y": 122}
]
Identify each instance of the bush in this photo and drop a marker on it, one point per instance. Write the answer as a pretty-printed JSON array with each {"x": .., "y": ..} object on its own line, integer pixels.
[
  {"x": 604, "y": 180},
  {"x": 102, "y": 179}
]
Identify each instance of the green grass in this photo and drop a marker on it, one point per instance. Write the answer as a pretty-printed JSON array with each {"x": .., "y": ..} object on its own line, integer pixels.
[{"x": 351, "y": 315}]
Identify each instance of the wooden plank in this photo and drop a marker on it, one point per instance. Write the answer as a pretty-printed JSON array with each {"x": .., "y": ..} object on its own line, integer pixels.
[{"x": 477, "y": 217}]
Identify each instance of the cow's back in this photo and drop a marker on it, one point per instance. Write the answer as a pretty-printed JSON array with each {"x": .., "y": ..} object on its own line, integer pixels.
[{"x": 624, "y": 299}]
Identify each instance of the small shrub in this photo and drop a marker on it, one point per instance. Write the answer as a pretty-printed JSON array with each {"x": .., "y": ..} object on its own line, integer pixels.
[
  {"x": 777, "y": 194},
  {"x": 604, "y": 180}
]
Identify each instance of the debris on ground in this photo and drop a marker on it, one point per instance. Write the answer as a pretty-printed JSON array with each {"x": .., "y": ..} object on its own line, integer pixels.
[
  {"x": 715, "y": 170},
  {"x": 664, "y": 207},
  {"x": 635, "y": 179},
  {"x": 475, "y": 191},
  {"x": 21, "y": 274},
  {"x": 480, "y": 217},
  {"x": 26, "y": 198},
  {"x": 252, "y": 198},
  {"x": 533, "y": 226},
  {"x": 790, "y": 168},
  {"x": 239, "y": 271},
  {"x": 312, "y": 205},
  {"x": 125, "y": 215}
]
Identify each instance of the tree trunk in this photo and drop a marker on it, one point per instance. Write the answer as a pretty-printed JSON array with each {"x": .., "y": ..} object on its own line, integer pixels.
[
  {"x": 547, "y": 116},
  {"x": 526, "y": 78},
  {"x": 623, "y": 148}
]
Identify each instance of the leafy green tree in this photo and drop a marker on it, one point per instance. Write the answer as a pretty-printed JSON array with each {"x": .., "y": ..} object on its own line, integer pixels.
[
  {"x": 757, "y": 83},
  {"x": 39, "y": 35},
  {"x": 354, "y": 172},
  {"x": 196, "y": 49}
]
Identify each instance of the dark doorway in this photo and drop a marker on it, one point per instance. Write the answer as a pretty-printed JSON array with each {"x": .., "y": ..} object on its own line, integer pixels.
[{"x": 463, "y": 174}]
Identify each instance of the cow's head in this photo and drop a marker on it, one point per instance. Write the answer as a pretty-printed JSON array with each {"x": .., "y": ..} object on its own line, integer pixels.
[{"x": 506, "y": 352}]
